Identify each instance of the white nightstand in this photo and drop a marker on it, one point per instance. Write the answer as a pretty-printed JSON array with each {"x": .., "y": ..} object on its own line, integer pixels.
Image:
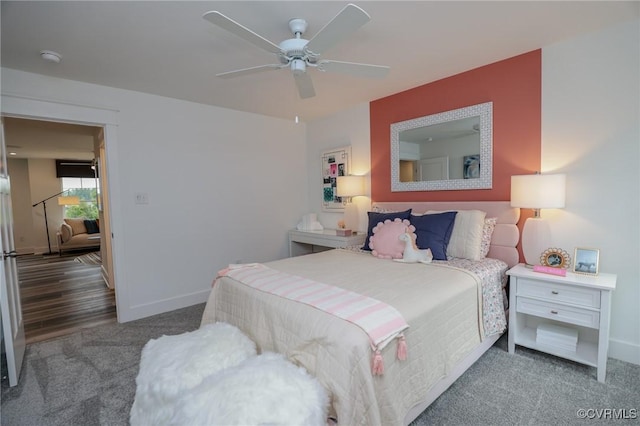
[
  {"x": 579, "y": 302},
  {"x": 305, "y": 242}
]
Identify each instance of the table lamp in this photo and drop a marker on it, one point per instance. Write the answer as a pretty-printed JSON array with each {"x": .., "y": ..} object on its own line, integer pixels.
[
  {"x": 537, "y": 191},
  {"x": 348, "y": 187}
]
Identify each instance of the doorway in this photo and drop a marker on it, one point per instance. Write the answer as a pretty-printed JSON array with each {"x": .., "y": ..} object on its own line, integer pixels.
[{"x": 61, "y": 292}]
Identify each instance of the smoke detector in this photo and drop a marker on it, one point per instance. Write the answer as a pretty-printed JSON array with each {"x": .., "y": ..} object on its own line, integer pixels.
[{"x": 51, "y": 56}]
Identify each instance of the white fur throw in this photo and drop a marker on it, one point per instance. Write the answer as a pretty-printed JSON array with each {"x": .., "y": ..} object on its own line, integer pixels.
[
  {"x": 212, "y": 376},
  {"x": 266, "y": 389},
  {"x": 173, "y": 365}
]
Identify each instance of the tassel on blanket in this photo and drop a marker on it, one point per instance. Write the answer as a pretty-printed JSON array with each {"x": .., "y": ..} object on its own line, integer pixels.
[
  {"x": 377, "y": 364},
  {"x": 401, "y": 352}
]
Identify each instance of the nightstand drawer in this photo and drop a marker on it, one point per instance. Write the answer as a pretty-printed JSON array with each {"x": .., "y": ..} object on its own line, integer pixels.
[
  {"x": 559, "y": 293},
  {"x": 555, "y": 311}
]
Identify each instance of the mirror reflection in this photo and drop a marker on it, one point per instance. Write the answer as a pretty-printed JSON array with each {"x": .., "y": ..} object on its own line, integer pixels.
[
  {"x": 445, "y": 151},
  {"x": 441, "y": 151}
]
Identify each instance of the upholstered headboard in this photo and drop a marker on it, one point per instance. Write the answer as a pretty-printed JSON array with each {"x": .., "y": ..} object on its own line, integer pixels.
[{"x": 505, "y": 236}]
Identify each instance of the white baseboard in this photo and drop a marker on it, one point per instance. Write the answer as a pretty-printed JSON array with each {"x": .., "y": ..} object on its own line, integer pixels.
[
  {"x": 624, "y": 351},
  {"x": 38, "y": 250},
  {"x": 161, "y": 306}
]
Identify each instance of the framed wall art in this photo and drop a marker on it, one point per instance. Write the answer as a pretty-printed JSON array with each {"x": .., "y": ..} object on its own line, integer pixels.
[
  {"x": 335, "y": 162},
  {"x": 586, "y": 261}
]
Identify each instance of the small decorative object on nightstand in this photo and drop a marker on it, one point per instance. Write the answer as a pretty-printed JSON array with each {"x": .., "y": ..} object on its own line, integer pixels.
[
  {"x": 563, "y": 316},
  {"x": 344, "y": 232},
  {"x": 556, "y": 258},
  {"x": 306, "y": 242}
]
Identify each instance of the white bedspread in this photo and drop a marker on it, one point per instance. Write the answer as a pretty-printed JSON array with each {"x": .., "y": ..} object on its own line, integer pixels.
[{"x": 442, "y": 305}]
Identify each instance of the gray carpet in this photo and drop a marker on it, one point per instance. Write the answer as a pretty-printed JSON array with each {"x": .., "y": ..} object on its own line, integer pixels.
[{"x": 88, "y": 378}]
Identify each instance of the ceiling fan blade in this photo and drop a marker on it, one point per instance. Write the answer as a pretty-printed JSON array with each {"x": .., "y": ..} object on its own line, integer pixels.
[
  {"x": 360, "y": 70},
  {"x": 346, "y": 22},
  {"x": 252, "y": 70},
  {"x": 304, "y": 84},
  {"x": 241, "y": 31}
]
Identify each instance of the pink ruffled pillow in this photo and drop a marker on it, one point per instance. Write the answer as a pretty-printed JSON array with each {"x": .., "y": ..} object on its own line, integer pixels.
[{"x": 385, "y": 243}]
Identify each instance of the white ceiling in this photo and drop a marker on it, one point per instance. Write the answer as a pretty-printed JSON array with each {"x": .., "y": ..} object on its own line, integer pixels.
[
  {"x": 45, "y": 139},
  {"x": 167, "y": 48}
]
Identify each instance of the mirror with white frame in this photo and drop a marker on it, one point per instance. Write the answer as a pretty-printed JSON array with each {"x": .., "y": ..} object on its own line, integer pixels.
[{"x": 445, "y": 151}]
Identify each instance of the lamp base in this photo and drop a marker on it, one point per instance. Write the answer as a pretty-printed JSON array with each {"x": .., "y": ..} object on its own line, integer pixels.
[
  {"x": 536, "y": 237},
  {"x": 351, "y": 216}
]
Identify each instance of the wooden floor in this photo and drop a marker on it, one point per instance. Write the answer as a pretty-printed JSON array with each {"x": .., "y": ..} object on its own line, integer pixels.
[{"x": 60, "y": 296}]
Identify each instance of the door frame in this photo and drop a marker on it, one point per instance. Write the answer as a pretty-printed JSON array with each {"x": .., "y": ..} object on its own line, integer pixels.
[
  {"x": 12, "y": 320},
  {"x": 106, "y": 118}
]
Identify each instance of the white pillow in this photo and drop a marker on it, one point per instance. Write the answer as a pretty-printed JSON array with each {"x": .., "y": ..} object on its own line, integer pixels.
[{"x": 466, "y": 237}]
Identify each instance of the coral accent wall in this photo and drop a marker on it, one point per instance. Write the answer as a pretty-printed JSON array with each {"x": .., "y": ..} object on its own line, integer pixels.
[{"x": 513, "y": 85}]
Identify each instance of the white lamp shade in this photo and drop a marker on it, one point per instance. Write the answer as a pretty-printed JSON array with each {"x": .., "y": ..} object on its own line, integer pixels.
[
  {"x": 350, "y": 186},
  {"x": 538, "y": 191}
]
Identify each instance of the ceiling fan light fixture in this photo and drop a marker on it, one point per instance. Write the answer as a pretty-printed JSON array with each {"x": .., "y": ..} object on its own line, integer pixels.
[
  {"x": 293, "y": 47},
  {"x": 51, "y": 56},
  {"x": 298, "y": 53},
  {"x": 298, "y": 66}
]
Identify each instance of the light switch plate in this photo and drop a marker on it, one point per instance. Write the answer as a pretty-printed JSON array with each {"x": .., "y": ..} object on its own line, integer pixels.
[{"x": 141, "y": 198}]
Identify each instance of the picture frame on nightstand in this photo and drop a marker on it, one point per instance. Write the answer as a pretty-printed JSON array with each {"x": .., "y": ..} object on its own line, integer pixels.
[
  {"x": 555, "y": 258},
  {"x": 586, "y": 261}
]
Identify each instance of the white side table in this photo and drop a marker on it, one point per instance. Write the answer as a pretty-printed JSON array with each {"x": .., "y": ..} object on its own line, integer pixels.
[
  {"x": 580, "y": 302},
  {"x": 305, "y": 242}
]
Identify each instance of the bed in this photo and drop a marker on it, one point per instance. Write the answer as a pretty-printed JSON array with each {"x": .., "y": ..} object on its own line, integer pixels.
[{"x": 454, "y": 309}]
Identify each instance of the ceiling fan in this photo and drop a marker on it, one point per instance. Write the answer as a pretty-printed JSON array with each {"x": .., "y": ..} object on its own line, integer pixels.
[{"x": 298, "y": 54}]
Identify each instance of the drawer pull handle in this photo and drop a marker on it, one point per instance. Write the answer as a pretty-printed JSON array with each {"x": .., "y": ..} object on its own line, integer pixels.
[
  {"x": 554, "y": 292},
  {"x": 554, "y": 312}
]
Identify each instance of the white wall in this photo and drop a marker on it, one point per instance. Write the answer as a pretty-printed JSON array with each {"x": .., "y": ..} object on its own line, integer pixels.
[
  {"x": 591, "y": 132},
  {"x": 347, "y": 128},
  {"x": 43, "y": 183},
  {"x": 21, "y": 205},
  {"x": 219, "y": 190}
]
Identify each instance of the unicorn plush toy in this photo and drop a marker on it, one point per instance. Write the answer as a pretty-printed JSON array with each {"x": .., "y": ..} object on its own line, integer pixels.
[{"x": 412, "y": 254}]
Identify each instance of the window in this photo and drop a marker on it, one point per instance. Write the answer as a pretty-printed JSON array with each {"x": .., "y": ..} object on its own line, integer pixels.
[{"x": 86, "y": 189}]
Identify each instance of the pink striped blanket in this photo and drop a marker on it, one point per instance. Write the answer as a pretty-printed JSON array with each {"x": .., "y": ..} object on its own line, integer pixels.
[{"x": 381, "y": 322}]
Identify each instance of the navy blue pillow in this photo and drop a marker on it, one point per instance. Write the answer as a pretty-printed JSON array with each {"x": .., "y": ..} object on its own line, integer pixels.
[
  {"x": 92, "y": 226},
  {"x": 375, "y": 217},
  {"x": 434, "y": 231}
]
